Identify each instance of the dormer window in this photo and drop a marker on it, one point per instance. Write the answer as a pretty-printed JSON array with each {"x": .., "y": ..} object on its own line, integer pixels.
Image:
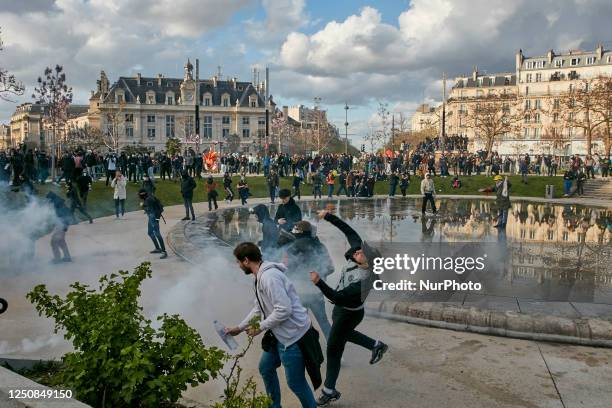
[
  {"x": 574, "y": 61},
  {"x": 253, "y": 101},
  {"x": 150, "y": 98},
  {"x": 559, "y": 63},
  {"x": 590, "y": 60},
  {"x": 149, "y": 83},
  {"x": 225, "y": 100},
  {"x": 170, "y": 98},
  {"x": 207, "y": 99},
  {"x": 119, "y": 96}
]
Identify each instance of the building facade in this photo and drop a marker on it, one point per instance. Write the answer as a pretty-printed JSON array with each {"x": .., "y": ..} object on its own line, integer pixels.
[
  {"x": 147, "y": 112},
  {"x": 425, "y": 117},
  {"x": 533, "y": 89},
  {"x": 5, "y": 137},
  {"x": 28, "y": 126}
]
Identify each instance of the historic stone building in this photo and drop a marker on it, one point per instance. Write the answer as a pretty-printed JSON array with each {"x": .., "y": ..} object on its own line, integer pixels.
[
  {"x": 148, "y": 111},
  {"x": 534, "y": 87},
  {"x": 27, "y": 126},
  {"x": 5, "y": 136}
]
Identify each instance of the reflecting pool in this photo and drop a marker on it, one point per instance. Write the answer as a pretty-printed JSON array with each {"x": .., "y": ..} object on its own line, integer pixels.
[{"x": 552, "y": 252}]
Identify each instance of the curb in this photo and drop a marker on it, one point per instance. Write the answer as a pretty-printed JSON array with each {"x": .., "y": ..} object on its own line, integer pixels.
[{"x": 583, "y": 331}]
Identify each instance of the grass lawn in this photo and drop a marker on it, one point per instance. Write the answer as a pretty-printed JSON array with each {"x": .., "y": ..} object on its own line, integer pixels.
[{"x": 101, "y": 202}]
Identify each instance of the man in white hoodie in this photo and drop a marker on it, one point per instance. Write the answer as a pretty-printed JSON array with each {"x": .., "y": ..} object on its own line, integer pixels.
[{"x": 278, "y": 306}]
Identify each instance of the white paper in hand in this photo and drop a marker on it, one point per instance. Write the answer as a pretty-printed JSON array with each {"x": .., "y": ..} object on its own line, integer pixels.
[{"x": 227, "y": 339}]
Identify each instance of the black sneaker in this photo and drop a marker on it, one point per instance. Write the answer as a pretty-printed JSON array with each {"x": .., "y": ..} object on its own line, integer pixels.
[
  {"x": 326, "y": 398},
  {"x": 378, "y": 352},
  {"x": 156, "y": 251},
  {"x": 164, "y": 255}
]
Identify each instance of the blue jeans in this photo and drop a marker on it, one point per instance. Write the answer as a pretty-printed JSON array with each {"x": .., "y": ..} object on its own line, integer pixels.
[
  {"x": 293, "y": 362},
  {"x": 330, "y": 190},
  {"x": 316, "y": 304},
  {"x": 154, "y": 233},
  {"x": 502, "y": 217},
  {"x": 567, "y": 186}
]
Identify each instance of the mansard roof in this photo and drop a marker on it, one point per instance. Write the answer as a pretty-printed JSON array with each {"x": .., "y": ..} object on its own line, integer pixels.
[{"x": 132, "y": 90}]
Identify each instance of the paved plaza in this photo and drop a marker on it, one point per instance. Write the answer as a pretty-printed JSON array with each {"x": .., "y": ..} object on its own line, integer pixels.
[{"x": 425, "y": 367}]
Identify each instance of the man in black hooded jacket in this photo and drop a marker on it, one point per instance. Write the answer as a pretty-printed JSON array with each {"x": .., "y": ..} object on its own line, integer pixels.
[
  {"x": 269, "y": 242},
  {"x": 288, "y": 213},
  {"x": 348, "y": 298}
]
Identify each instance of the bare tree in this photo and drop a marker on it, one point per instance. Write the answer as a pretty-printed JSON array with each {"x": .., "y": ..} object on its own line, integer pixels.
[
  {"x": 493, "y": 117},
  {"x": 556, "y": 138},
  {"x": 86, "y": 138},
  {"x": 8, "y": 83},
  {"x": 602, "y": 89},
  {"x": 115, "y": 125},
  {"x": 55, "y": 96},
  {"x": 577, "y": 108}
]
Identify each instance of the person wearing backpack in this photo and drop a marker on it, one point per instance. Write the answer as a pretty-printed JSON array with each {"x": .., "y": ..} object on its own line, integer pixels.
[{"x": 154, "y": 209}]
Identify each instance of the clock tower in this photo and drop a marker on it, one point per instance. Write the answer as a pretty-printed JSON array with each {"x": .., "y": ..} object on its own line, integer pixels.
[{"x": 188, "y": 86}]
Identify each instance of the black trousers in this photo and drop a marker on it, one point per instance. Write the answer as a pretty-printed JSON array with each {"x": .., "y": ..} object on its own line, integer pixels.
[
  {"x": 212, "y": 199},
  {"x": 342, "y": 331},
  {"x": 428, "y": 197}
]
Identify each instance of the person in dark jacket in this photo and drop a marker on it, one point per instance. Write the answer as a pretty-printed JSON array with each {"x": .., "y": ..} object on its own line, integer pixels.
[
  {"x": 83, "y": 182},
  {"x": 269, "y": 242},
  {"x": 404, "y": 183},
  {"x": 152, "y": 207},
  {"x": 58, "y": 237},
  {"x": 243, "y": 190},
  {"x": 393, "y": 182},
  {"x": 288, "y": 213},
  {"x": 188, "y": 184},
  {"x": 273, "y": 183},
  {"x": 297, "y": 180},
  {"x": 147, "y": 184},
  {"x": 348, "y": 298},
  {"x": 304, "y": 254},
  {"x": 211, "y": 189},
  {"x": 227, "y": 186},
  {"x": 75, "y": 203}
]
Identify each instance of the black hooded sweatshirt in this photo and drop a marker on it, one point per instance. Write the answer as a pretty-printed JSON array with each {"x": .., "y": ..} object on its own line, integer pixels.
[
  {"x": 269, "y": 228},
  {"x": 290, "y": 212}
]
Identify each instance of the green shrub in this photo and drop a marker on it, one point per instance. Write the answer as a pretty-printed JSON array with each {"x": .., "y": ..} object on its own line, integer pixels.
[{"x": 119, "y": 359}]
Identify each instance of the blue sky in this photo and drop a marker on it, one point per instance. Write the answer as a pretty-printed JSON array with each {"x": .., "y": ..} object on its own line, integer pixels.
[{"x": 360, "y": 52}]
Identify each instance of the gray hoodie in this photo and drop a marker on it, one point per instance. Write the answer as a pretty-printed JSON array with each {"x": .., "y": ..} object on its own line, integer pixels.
[{"x": 282, "y": 311}]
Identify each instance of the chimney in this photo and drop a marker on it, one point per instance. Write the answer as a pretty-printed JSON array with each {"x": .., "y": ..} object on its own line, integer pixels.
[
  {"x": 475, "y": 73},
  {"x": 519, "y": 59},
  {"x": 550, "y": 55},
  {"x": 286, "y": 112},
  {"x": 234, "y": 82},
  {"x": 599, "y": 51},
  {"x": 159, "y": 79},
  {"x": 214, "y": 78},
  {"x": 138, "y": 79}
]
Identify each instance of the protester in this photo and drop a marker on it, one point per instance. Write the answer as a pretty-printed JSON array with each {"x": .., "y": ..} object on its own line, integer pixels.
[
  {"x": 58, "y": 237},
  {"x": 295, "y": 185},
  {"x": 75, "y": 203},
  {"x": 211, "y": 190},
  {"x": 119, "y": 184},
  {"x": 355, "y": 283},
  {"x": 270, "y": 231},
  {"x": 188, "y": 184},
  {"x": 428, "y": 190},
  {"x": 305, "y": 254},
  {"x": 227, "y": 186},
  {"x": 288, "y": 331},
  {"x": 288, "y": 213},
  {"x": 84, "y": 182},
  {"x": 502, "y": 202},
  {"x": 154, "y": 209},
  {"x": 273, "y": 184},
  {"x": 404, "y": 183},
  {"x": 243, "y": 190}
]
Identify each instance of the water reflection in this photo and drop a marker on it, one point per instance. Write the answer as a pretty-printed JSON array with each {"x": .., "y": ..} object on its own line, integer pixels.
[{"x": 552, "y": 252}]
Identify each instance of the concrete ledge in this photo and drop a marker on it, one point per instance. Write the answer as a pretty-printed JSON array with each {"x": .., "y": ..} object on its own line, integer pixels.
[
  {"x": 583, "y": 331},
  {"x": 11, "y": 381}
]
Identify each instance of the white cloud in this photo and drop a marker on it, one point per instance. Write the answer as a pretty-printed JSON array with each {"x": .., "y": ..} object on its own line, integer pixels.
[{"x": 282, "y": 16}]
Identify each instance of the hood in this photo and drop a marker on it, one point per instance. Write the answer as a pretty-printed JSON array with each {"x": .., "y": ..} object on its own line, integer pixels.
[
  {"x": 262, "y": 212},
  {"x": 272, "y": 265}
]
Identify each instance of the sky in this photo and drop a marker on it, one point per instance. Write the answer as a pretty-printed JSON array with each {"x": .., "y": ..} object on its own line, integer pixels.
[{"x": 358, "y": 52}]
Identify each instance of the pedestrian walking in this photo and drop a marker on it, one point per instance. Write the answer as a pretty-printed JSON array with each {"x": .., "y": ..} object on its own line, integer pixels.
[
  {"x": 75, "y": 203},
  {"x": 58, "y": 236},
  {"x": 211, "y": 190},
  {"x": 502, "y": 201}
]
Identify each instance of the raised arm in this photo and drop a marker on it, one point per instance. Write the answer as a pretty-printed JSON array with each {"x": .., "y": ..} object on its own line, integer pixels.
[{"x": 351, "y": 235}]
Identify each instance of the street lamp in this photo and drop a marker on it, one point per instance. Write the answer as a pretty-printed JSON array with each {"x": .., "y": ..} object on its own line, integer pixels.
[{"x": 346, "y": 108}]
